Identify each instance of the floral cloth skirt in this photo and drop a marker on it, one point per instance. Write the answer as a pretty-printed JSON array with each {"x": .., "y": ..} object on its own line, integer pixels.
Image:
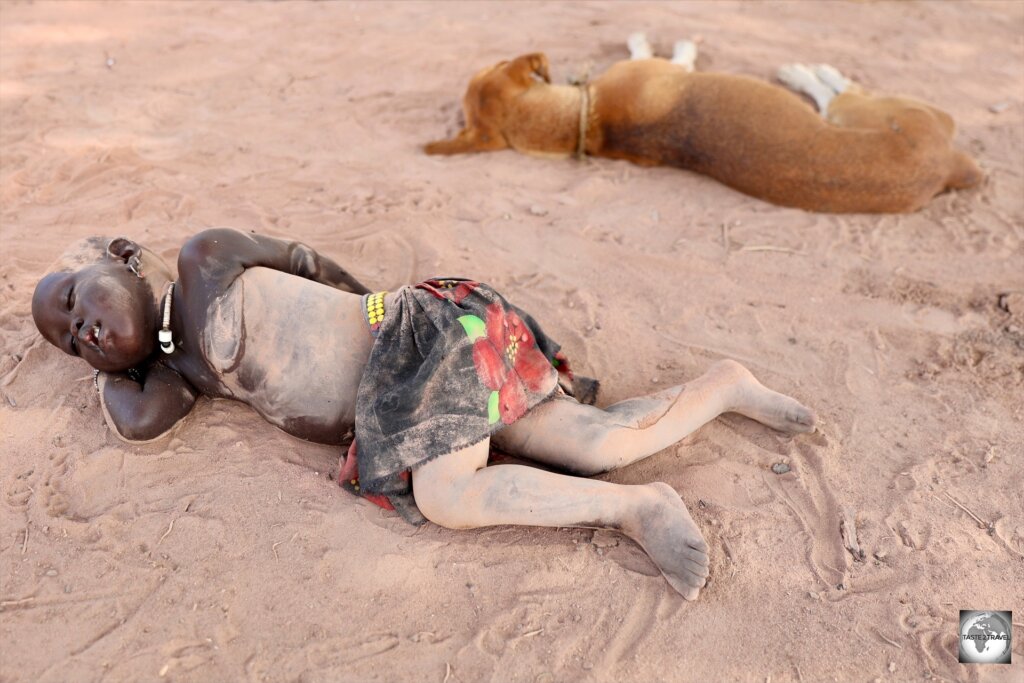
[{"x": 453, "y": 363}]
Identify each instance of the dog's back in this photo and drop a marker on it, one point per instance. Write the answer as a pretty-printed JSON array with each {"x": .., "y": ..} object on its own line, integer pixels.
[
  {"x": 765, "y": 141},
  {"x": 872, "y": 154}
]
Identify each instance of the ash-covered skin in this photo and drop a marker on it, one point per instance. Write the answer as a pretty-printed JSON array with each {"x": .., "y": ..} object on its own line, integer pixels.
[
  {"x": 280, "y": 327},
  {"x": 297, "y": 361},
  {"x": 101, "y": 310},
  {"x": 292, "y": 349}
]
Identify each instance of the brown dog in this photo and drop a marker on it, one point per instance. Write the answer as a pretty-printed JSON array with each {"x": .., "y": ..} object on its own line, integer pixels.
[{"x": 868, "y": 154}]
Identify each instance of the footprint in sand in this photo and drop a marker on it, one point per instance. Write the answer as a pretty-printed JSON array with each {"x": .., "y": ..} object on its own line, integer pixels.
[{"x": 19, "y": 488}]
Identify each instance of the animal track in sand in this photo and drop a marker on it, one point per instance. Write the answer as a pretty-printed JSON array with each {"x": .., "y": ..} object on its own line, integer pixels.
[
  {"x": 53, "y": 493},
  {"x": 95, "y": 175},
  {"x": 157, "y": 204},
  {"x": 374, "y": 201},
  {"x": 931, "y": 629},
  {"x": 341, "y": 657},
  {"x": 980, "y": 333},
  {"x": 20, "y": 488},
  {"x": 629, "y": 632},
  {"x": 907, "y": 526},
  {"x": 1011, "y": 537},
  {"x": 396, "y": 257},
  {"x": 809, "y": 495}
]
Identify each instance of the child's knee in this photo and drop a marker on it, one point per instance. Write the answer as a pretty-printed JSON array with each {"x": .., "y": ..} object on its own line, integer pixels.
[
  {"x": 439, "y": 502},
  {"x": 438, "y": 486},
  {"x": 615, "y": 447},
  {"x": 596, "y": 437},
  {"x": 438, "y": 489},
  {"x": 601, "y": 444}
]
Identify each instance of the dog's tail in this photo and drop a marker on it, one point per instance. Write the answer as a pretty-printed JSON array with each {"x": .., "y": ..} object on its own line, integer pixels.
[{"x": 965, "y": 174}]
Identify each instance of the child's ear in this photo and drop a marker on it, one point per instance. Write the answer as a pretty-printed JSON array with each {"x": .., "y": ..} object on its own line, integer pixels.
[
  {"x": 123, "y": 248},
  {"x": 127, "y": 252}
]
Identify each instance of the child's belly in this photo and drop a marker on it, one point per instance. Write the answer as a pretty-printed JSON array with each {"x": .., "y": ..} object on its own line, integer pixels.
[{"x": 292, "y": 349}]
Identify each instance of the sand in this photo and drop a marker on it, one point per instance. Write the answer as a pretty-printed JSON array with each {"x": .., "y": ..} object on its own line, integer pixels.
[{"x": 225, "y": 552}]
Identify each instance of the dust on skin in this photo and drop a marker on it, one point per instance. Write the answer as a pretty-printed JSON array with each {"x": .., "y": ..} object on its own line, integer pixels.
[
  {"x": 112, "y": 333},
  {"x": 291, "y": 348},
  {"x": 648, "y": 423},
  {"x": 636, "y": 414},
  {"x": 118, "y": 298}
]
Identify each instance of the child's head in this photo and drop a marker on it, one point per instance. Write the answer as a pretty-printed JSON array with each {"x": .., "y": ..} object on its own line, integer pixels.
[{"x": 102, "y": 302}]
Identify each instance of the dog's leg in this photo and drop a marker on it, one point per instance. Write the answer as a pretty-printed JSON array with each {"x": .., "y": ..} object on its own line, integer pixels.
[
  {"x": 830, "y": 76},
  {"x": 458, "y": 491},
  {"x": 920, "y": 124},
  {"x": 638, "y": 46},
  {"x": 685, "y": 54},
  {"x": 856, "y": 108},
  {"x": 803, "y": 80},
  {"x": 587, "y": 440},
  {"x": 468, "y": 140}
]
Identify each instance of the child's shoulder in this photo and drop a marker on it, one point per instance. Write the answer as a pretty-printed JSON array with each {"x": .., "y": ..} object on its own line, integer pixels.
[
  {"x": 215, "y": 257},
  {"x": 210, "y": 246}
]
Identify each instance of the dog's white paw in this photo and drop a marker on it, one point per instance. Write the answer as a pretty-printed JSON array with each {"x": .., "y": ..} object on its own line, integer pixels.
[
  {"x": 684, "y": 53},
  {"x": 830, "y": 76},
  {"x": 796, "y": 76},
  {"x": 802, "y": 79},
  {"x": 639, "y": 47}
]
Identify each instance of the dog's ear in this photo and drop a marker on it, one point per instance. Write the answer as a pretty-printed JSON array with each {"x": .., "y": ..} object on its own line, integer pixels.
[
  {"x": 468, "y": 140},
  {"x": 526, "y": 67}
]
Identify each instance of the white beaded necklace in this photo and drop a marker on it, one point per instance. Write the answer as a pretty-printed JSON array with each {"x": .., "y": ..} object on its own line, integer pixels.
[{"x": 164, "y": 335}]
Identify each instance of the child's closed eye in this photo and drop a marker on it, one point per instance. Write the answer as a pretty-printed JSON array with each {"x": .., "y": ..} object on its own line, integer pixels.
[{"x": 70, "y": 302}]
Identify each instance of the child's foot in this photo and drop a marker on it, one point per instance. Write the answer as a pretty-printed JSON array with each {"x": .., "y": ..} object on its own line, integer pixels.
[
  {"x": 756, "y": 401},
  {"x": 671, "y": 538}
]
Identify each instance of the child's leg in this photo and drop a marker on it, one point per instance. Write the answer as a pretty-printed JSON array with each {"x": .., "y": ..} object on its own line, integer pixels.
[
  {"x": 458, "y": 491},
  {"x": 587, "y": 440}
]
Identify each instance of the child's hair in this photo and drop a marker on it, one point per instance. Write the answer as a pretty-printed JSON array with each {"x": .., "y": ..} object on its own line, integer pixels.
[{"x": 84, "y": 252}]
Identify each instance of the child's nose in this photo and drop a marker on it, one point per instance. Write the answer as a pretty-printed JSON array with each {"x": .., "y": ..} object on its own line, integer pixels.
[{"x": 76, "y": 325}]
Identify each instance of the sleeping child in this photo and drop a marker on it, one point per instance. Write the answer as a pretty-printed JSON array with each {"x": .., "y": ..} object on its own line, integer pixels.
[{"x": 427, "y": 376}]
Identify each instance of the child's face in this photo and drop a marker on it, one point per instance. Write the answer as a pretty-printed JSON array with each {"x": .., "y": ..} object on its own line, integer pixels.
[{"x": 102, "y": 312}]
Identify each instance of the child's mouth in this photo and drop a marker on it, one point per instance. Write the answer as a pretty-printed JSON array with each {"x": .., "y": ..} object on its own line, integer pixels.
[{"x": 92, "y": 337}]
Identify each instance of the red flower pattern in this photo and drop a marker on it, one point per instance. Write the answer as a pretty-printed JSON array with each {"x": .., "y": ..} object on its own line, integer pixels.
[
  {"x": 453, "y": 290},
  {"x": 508, "y": 361},
  {"x": 561, "y": 363},
  {"x": 348, "y": 471}
]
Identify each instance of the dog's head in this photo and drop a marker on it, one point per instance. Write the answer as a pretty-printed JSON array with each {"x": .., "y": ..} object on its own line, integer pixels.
[{"x": 485, "y": 104}]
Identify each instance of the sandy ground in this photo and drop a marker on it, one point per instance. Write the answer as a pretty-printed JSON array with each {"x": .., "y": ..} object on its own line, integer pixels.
[{"x": 226, "y": 553}]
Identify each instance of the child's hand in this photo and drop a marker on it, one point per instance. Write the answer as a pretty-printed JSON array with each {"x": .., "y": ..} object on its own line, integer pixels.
[{"x": 142, "y": 407}]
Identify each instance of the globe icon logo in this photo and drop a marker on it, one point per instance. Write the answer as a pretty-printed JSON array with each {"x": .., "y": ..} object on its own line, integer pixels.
[{"x": 985, "y": 637}]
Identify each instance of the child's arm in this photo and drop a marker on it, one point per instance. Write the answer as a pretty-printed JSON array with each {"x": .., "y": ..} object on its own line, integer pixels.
[
  {"x": 144, "y": 411},
  {"x": 234, "y": 251}
]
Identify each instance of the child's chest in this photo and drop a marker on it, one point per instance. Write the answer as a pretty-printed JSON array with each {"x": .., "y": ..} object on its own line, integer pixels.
[{"x": 291, "y": 348}]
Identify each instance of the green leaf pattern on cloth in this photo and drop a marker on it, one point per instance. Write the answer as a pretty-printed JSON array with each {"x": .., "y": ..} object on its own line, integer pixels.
[
  {"x": 493, "y": 413},
  {"x": 474, "y": 326},
  {"x": 475, "y": 329}
]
